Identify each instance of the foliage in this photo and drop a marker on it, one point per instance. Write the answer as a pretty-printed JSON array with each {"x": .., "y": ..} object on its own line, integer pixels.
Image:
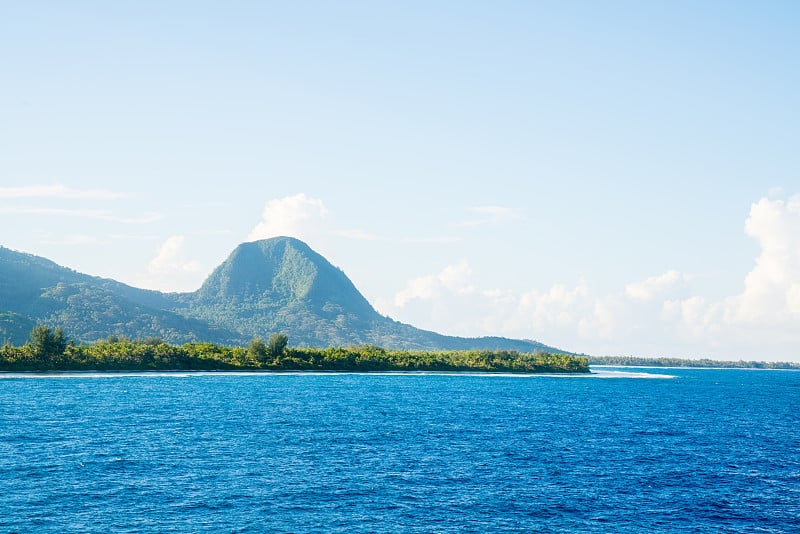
[
  {"x": 47, "y": 343},
  {"x": 122, "y": 354},
  {"x": 274, "y": 285},
  {"x": 257, "y": 350},
  {"x": 636, "y": 361},
  {"x": 14, "y": 328},
  {"x": 277, "y": 345}
]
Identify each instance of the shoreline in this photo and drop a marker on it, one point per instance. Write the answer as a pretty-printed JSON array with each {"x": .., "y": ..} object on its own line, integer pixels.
[{"x": 252, "y": 372}]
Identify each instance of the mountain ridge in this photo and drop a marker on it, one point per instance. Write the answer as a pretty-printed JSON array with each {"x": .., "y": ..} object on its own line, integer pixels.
[{"x": 273, "y": 285}]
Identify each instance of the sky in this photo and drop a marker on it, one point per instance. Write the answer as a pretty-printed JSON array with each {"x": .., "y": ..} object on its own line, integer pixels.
[{"x": 616, "y": 178}]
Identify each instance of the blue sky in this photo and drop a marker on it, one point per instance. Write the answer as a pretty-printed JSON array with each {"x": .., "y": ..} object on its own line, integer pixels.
[{"x": 614, "y": 178}]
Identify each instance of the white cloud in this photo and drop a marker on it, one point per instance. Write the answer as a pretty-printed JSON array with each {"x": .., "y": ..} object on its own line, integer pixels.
[
  {"x": 769, "y": 294},
  {"x": 559, "y": 306},
  {"x": 654, "y": 286},
  {"x": 59, "y": 191},
  {"x": 659, "y": 315},
  {"x": 456, "y": 278},
  {"x": 295, "y": 216},
  {"x": 793, "y": 299},
  {"x": 453, "y": 279},
  {"x": 171, "y": 269},
  {"x": 171, "y": 258},
  {"x": 423, "y": 288},
  {"x": 496, "y": 294},
  {"x": 765, "y": 316},
  {"x": 566, "y": 312}
]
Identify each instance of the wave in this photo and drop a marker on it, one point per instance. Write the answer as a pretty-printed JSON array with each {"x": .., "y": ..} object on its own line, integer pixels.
[
  {"x": 189, "y": 374},
  {"x": 628, "y": 374}
]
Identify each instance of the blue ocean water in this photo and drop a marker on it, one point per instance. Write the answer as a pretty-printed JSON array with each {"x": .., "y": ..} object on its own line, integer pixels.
[{"x": 701, "y": 451}]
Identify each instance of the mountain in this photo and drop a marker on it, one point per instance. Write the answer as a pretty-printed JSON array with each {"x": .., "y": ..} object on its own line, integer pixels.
[
  {"x": 36, "y": 290},
  {"x": 282, "y": 285},
  {"x": 274, "y": 285}
]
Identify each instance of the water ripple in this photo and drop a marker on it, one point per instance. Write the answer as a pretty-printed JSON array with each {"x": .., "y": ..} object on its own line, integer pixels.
[{"x": 705, "y": 451}]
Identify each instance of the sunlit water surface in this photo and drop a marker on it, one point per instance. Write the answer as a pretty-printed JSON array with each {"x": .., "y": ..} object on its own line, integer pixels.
[{"x": 624, "y": 450}]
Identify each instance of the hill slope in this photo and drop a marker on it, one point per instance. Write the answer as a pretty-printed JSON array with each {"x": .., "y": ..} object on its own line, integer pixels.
[
  {"x": 274, "y": 285},
  {"x": 282, "y": 285},
  {"x": 36, "y": 290}
]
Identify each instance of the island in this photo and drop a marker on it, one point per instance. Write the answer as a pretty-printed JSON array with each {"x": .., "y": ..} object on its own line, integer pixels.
[
  {"x": 50, "y": 350},
  {"x": 637, "y": 361}
]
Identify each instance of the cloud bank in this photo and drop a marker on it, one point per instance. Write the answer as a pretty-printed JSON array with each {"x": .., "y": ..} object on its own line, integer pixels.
[{"x": 655, "y": 316}]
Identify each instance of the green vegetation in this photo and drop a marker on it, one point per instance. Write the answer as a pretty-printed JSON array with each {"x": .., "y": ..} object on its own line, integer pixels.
[
  {"x": 274, "y": 285},
  {"x": 46, "y": 343},
  {"x": 49, "y": 350},
  {"x": 257, "y": 350},
  {"x": 277, "y": 345},
  {"x": 635, "y": 361}
]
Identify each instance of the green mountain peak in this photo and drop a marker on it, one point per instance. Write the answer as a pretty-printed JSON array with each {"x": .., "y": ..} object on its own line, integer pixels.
[
  {"x": 281, "y": 271},
  {"x": 263, "y": 287}
]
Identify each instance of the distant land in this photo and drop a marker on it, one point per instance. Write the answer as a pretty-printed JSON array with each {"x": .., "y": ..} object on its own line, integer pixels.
[
  {"x": 50, "y": 351},
  {"x": 636, "y": 361},
  {"x": 263, "y": 287}
]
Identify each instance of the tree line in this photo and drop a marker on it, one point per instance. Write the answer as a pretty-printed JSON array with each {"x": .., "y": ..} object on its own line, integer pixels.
[
  {"x": 50, "y": 350},
  {"x": 636, "y": 361}
]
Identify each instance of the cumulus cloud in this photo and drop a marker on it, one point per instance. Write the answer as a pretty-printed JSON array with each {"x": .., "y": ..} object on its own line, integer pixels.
[
  {"x": 456, "y": 278},
  {"x": 453, "y": 279},
  {"x": 172, "y": 269},
  {"x": 59, "y": 191},
  {"x": 770, "y": 288},
  {"x": 496, "y": 294},
  {"x": 694, "y": 319},
  {"x": 578, "y": 312},
  {"x": 569, "y": 316},
  {"x": 559, "y": 305},
  {"x": 294, "y": 216},
  {"x": 765, "y": 315},
  {"x": 423, "y": 288},
  {"x": 659, "y": 315},
  {"x": 172, "y": 258},
  {"x": 654, "y": 286}
]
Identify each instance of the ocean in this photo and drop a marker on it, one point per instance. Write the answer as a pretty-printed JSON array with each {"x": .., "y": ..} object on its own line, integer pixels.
[{"x": 621, "y": 450}]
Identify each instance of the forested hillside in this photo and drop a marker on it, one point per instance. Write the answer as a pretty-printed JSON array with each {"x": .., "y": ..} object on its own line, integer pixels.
[{"x": 274, "y": 285}]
